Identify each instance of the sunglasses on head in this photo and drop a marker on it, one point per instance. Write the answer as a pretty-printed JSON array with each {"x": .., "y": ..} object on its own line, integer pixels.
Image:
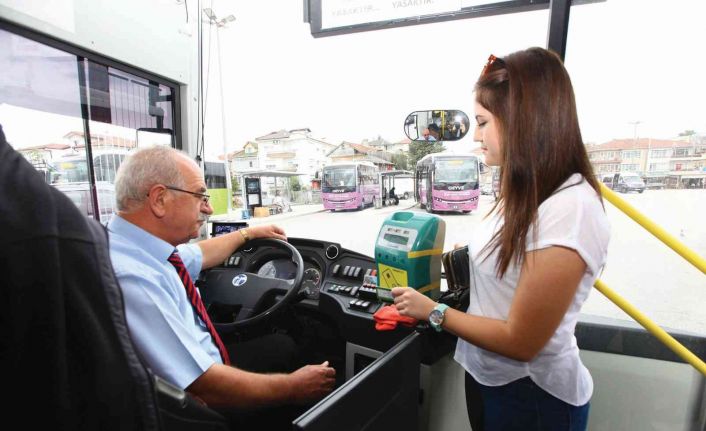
[{"x": 492, "y": 59}]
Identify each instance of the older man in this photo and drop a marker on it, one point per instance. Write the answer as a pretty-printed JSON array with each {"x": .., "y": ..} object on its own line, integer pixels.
[{"x": 162, "y": 203}]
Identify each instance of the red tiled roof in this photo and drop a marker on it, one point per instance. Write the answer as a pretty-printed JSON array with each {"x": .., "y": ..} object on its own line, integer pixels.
[
  {"x": 362, "y": 148},
  {"x": 48, "y": 147}
]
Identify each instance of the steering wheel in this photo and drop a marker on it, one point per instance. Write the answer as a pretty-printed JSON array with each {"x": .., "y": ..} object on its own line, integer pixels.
[{"x": 240, "y": 295}]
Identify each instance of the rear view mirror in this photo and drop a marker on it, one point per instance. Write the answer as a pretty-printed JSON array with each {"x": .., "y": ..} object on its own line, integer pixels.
[
  {"x": 436, "y": 125},
  {"x": 484, "y": 168}
]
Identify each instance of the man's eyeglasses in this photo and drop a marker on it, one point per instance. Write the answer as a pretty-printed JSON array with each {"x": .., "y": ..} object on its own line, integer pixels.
[
  {"x": 492, "y": 59},
  {"x": 204, "y": 197}
]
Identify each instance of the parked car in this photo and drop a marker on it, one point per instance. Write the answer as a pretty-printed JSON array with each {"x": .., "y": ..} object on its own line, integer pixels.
[
  {"x": 626, "y": 182},
  {"x": 486, "y": 189}
]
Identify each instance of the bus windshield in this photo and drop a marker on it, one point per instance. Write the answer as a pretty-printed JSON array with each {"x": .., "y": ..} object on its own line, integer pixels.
[
  {"x": 341, "y": 176},
  {"x": 455, "y": 171}
]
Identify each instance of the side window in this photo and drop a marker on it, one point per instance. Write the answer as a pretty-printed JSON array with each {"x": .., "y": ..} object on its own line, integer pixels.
[
  {"x": 644, "y": 139},
  {"x": 42, "y": 90}
]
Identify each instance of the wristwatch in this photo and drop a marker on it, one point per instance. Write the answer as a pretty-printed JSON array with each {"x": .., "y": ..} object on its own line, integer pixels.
[
  {"x": 245, "y": 234},
  {"x": 436, "y": 317}
]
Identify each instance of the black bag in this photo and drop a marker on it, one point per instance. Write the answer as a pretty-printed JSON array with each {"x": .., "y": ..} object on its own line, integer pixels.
[{"x": 457, "y": 268}]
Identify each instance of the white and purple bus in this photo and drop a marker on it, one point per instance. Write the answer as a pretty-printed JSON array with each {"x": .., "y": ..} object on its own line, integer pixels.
[
  {"x": 447, "y": 182},
  {"x": 349, "y": 185}
]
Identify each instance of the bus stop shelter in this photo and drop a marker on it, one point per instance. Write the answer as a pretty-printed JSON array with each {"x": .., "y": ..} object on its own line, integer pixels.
[
  {"x": 387, "y": 182},
  {"x": 251, "y": 186}
]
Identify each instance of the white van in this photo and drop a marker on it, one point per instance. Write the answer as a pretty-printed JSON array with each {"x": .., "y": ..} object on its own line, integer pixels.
[
  {"x": 625, "y": 182},
  {"x": 404, "y": 187}
]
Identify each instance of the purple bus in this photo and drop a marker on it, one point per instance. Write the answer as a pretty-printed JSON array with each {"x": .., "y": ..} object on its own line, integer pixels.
[
  {"x": 349, "y": 185},
  {"x": 447, "y": 182}
]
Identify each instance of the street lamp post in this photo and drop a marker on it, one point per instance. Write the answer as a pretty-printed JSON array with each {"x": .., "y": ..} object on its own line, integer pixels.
[
  {"x": 634, "y": 136},
  {"x": 213, "y": 20}
]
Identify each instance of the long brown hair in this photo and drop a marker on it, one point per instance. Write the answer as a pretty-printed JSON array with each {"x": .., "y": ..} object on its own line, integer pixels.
[{"x": 530, "y": 95}]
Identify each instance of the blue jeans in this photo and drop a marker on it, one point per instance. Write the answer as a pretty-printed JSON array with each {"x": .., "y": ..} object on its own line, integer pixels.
[{"x": 521, "y": 405}]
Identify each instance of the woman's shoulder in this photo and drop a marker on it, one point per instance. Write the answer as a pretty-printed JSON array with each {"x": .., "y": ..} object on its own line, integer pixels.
[
  {"x": 575, "y": 187},
  {"x": 575, "y": 193}
]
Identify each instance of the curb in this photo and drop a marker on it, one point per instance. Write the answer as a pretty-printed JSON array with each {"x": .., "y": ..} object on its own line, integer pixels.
[{"x": 269, "y": 220}]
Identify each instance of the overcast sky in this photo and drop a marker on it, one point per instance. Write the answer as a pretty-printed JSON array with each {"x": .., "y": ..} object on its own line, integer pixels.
[{"x": 626, "y": 67}]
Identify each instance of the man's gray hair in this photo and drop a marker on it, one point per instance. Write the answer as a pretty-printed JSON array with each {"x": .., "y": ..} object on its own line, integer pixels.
[{"x": 142, "y": 170}]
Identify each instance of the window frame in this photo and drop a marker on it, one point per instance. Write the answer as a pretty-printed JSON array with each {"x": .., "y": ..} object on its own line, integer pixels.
[{"x": 96, "y": 58}]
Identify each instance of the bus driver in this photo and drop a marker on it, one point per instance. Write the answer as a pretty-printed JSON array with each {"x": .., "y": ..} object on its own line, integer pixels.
[{"x": 162, "y": 204}]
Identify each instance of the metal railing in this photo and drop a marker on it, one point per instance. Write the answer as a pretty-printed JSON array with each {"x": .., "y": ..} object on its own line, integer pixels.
[{"x": 676, "y": 245}]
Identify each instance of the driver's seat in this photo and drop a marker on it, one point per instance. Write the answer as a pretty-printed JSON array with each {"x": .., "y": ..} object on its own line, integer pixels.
[{"x": 66, "y": 357}]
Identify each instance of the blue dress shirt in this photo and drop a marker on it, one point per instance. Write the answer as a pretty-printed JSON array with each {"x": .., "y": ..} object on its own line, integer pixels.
[{"x": 163, "y": 325}]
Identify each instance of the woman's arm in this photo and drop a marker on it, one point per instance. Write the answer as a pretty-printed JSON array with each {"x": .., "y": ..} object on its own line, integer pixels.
[{"x": 547, "y": 284}]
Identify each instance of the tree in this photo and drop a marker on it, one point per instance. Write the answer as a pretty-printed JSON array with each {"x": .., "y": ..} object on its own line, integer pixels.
[
  {"x": 296, "y": 186},
  {"x": 688, "y": 133},
  {"x": 400, "y": 160},
  {"x": 419, "y": 149}
]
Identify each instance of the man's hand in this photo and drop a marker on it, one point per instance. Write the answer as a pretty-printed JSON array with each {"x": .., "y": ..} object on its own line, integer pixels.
[
  {"x": 216, "y": 250},
  {"x": 267, "y": 231},
  {"x": 312, "y": 382}
]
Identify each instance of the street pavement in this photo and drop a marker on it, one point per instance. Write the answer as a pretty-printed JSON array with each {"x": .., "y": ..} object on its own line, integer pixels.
[{"x": 297, "y": 211}]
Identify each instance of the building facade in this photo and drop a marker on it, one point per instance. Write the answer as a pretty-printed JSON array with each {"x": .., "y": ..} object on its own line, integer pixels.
[
  {"x": 284, "y": 150},
  {"x": 347, "y": 151},
  {"x": 678, "y": 163}
]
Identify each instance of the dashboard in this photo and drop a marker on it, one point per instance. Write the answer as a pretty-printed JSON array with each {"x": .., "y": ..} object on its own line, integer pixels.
[
  {"x": 333, "y": 292},
  {"x": 328, "y": 268},
  {"x": 285, "y": 269}
]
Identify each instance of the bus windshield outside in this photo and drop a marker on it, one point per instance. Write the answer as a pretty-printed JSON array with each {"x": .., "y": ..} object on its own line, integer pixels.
[
  {"x": 337, "y": 177},
  {"x": 349, "y": 186},
  {"x": 448, "y": 182},
  {"x": 455, "y": 171}
]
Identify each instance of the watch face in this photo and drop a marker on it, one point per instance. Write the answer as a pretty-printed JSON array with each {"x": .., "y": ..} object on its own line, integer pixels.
[{"x": 435, "y": 317}]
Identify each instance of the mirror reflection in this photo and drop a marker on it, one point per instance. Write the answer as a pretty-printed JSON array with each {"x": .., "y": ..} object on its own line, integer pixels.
[{"x": 436, "y": 125}]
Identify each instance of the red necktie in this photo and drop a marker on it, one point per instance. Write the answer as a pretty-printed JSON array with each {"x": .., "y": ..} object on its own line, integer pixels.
[{"x": 196, "y": 302}]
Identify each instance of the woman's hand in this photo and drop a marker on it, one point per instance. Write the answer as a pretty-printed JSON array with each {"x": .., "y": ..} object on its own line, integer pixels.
[
  {"x": 411, "y": 303},
  {"x": 267, "y": 231}
]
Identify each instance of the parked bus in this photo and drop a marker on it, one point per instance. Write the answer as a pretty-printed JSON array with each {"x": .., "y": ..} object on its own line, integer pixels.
[
  {"x": 349, "y": 185},
  {"x": 446, "y": 182},
  {"x": 219, "y": 187}
]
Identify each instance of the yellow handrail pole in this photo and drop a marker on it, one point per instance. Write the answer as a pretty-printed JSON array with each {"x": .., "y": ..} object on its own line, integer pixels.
[
  {"x": 673, "y": 243},
  {"x": 651, "y": 327}
]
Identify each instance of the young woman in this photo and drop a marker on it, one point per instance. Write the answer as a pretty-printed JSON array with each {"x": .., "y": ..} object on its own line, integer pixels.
[{"x": 534, "y": 257}]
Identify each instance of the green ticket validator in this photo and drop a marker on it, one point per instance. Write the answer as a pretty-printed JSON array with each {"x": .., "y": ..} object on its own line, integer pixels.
[{"x": 408, "y": 253}]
